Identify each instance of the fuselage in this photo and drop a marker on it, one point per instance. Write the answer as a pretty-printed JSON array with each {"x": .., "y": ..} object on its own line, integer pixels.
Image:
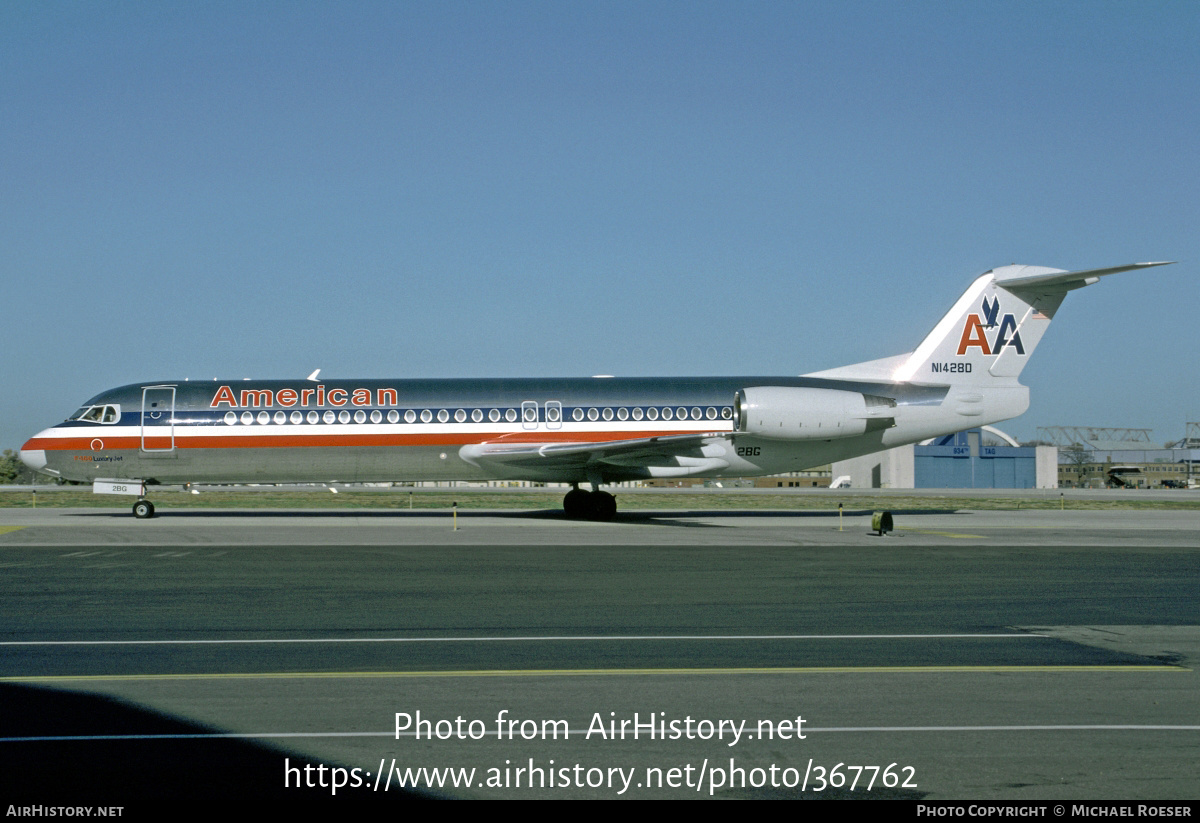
[{"x": 283, "y": 431}]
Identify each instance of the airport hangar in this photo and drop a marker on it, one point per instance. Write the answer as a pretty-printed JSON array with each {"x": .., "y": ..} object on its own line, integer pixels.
[
  {"x": 979, "y": 458},
  {"x": 987, "y": 458}
]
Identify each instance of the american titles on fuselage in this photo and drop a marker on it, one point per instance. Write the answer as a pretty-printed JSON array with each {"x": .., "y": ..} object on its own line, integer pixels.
[
  {"x": 551, "y": 412},
  {"x": 389, "y": 398}
]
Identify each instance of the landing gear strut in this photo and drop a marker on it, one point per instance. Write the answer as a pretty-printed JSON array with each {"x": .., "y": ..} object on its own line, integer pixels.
[
  {"x": 595, "y": 505},
  {"x": 143, "y": 509}
]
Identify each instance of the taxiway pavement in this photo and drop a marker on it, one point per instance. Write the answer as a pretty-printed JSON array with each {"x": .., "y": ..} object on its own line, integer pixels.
[{"x": 1000, "y": 655}]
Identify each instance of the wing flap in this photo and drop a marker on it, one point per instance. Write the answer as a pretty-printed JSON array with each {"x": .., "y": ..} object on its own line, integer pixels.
[{"x": 669, "y": 455}]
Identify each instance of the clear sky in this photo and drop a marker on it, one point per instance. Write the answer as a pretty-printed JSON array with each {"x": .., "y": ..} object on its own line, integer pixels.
[{"x": 212, "y": 189}]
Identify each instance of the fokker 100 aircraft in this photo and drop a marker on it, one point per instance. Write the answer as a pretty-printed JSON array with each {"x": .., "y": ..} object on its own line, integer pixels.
[{"x": 582, "y": 431}]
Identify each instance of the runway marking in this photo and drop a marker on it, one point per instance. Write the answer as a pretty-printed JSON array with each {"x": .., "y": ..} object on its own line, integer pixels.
[
  {"x": 583, "y": 732},
  {"x": 942, "y": 534},
  {"x": 104, "y": 678},
  {"x": 524, "y": 639},
  {"x": 7, "y": 529}
]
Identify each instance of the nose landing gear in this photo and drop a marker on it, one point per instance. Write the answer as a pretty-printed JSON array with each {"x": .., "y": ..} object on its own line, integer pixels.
[{"x": 143, "y": 509}]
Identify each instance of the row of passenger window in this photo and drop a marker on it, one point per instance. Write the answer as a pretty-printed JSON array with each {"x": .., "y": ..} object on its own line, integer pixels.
[
  {"x": 652, "y": 413},
  {"x": 529, "y": 415}
]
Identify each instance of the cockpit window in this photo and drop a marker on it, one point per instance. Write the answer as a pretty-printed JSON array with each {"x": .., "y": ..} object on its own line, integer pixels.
[{"x": 104, "y": 415}]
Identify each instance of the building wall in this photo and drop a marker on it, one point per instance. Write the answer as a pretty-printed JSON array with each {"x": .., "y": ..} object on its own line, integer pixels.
[
  {"x": 990, "y": 467},
  {"x": 1047, "y": 467},
  {"x": 963, "y": 462},
  {"x": 1158, "y": 467},
  {"x": 891, "y": 469}
]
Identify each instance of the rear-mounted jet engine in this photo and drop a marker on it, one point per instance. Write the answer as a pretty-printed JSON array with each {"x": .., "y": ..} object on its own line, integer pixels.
[{"x": 787, "y": 413}]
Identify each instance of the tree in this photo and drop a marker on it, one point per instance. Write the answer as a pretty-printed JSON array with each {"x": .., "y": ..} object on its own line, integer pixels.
[
  {"x": 11, "y": 466},
  {"x": 1078, "y": 456},
  {"x": 12, "y": 470}
]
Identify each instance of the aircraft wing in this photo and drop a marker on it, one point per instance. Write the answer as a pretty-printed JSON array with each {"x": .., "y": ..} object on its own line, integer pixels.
[{"x": 666, "y": 456}]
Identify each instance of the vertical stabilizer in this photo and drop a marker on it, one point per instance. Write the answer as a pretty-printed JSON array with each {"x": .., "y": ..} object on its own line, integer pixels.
[{"x": 991, "y": 331}]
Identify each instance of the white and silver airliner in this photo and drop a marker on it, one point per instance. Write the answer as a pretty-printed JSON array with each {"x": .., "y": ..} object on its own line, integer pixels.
[{"x": 581, "y": 431}]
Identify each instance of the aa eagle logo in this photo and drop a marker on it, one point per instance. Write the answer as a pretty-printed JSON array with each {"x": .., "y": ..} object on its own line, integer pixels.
[{"x": 975, "y": 331}]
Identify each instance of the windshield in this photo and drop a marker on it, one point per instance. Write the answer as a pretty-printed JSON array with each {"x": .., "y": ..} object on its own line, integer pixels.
[{"x": 97, "y": 414}]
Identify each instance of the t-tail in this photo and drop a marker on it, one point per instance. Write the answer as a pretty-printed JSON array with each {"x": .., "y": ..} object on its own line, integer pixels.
[
  {"x": 979, "y": 348},
  {"x": 990, "y": 332}
]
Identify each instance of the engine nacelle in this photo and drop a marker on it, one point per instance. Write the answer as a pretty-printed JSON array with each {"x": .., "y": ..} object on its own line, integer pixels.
[{"x": 787, "y": 413}]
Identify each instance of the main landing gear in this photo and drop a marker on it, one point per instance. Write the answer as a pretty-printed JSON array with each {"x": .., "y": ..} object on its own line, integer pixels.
[
  {"x": 143, "y": 509},
  {"x": 594, "y": 505}
]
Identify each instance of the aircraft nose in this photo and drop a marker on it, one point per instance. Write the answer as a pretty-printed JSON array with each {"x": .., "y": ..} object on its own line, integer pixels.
[{"x": 33, "y": 458}]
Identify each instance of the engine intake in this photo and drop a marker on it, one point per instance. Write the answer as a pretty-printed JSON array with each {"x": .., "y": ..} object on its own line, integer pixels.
[{"x": 787, "y": 413}]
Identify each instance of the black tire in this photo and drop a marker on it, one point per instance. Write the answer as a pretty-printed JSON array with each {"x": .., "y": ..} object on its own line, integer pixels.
[
  {"x": 143, "y": 509},
  {"x": 575, "y": 504},
  {"x": 604, "y": 506}
]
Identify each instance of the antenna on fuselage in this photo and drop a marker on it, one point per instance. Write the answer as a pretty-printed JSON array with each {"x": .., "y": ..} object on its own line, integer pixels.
[{"x": 313, "y": 376}]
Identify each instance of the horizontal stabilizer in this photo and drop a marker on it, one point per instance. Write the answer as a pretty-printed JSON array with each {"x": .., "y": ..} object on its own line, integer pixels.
[{"x": 1018, "y": 278}]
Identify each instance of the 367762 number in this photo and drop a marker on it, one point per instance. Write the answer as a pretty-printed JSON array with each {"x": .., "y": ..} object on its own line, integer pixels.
[{"x": 818, "y": 778}]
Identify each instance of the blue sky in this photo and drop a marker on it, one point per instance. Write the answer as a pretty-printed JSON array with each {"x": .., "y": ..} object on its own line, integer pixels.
[{"x": 212, "y": 189}]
